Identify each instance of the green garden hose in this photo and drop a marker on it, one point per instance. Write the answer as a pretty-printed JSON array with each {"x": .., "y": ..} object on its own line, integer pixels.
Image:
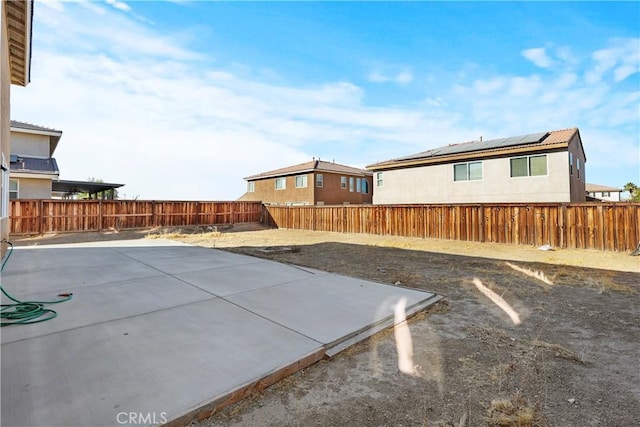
[{"x": 26, "y": 312}]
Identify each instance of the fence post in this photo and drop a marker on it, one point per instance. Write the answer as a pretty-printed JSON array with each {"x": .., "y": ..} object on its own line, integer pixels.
[
  {"x": 41, "y": 215},
  {"x": 561, "y": 224},
  {"x": 100, "y": 215}
]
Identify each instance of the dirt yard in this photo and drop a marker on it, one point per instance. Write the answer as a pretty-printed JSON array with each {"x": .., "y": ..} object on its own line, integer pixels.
[{"x": 564, "y": 352}]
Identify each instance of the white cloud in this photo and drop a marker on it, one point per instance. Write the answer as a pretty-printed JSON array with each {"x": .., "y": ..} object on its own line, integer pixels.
[
  {"x": 53, "y": 4},
  {"x": 119, "y": 5},
  {"x": 623, "y": 58},
  {"x": 402, "y": 78},
  {"x": 538, "y": 56}
]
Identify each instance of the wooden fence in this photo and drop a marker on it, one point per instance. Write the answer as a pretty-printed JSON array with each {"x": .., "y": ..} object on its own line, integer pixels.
[
  {"x": 601, "y": 226},
  {"x": 59, "y": 216}
]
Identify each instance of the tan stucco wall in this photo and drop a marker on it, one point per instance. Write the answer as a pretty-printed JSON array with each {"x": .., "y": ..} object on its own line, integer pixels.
[
  {"x": 265, "y": 191},
  {"x": 435, "y": 184},
  {"x": 5, "y": 87},
  {"x": 28, "y": 144},
  {"x": 333, "y": 194},
  {"x": 577, "y": 181},
  {"x": 33, "y": 188}
]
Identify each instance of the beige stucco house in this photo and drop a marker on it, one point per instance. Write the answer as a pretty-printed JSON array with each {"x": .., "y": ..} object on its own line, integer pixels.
[
  {"x": 604, "y": 193},
  {"x": 542, "y": 167},
  {"x": 32, "y": 166},
  {"x": 15, "y": 44},
  {"x": 312, "y": 183}
]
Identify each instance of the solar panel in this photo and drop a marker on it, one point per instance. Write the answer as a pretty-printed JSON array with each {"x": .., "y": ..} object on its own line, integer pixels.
[{"x": 478, "y": 146}]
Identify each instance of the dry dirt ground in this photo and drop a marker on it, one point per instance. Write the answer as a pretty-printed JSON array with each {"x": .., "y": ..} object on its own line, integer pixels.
[{"x": 564, "y": 352}]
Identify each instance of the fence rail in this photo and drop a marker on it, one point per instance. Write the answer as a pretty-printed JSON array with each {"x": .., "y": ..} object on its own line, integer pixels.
[
  {"x": 601, "y": 226},
  {"x": 59, "y": 216}
]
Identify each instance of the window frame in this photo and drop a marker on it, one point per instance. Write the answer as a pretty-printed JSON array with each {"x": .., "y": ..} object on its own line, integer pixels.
[
  {"x": 379, "y": 179},
  {"x": 304, "y": 181},
  {"x": 365, "y": 186},
  {"x": 16, "y": 191},
  {"x": 352, "y": 185},
  {"x": 343, "y": 182},
  {"x": 319, "y": 180},
  {"x": 528, "y": 165},
  {"x": 251, "y": 186},
  {"x": 283, "y": 180},
  {"x": 570, "y": 163},
  {"x": 468, "y": 171}
]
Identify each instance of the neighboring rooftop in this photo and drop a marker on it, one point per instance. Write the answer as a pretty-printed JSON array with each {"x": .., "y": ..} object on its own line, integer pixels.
[
  {"x": 312, "y": 166},
  {"x": 74, "y": 187},
  {"x": 33, "y": 165},
  {"x": 596, "y": 188},
  {"x": 541, "y": 139},
  {"x": 29, "y": 126}
]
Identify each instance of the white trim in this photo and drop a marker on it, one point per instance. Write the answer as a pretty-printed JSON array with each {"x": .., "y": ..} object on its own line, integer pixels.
[
  {"x": 36, "y": 131},
  {"x": 6, "y": 186},
  {"x": 40, "y": 175}
]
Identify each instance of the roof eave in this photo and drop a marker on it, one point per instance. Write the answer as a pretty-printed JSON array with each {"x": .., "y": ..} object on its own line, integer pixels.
[
  {"x": 20, "y": 18},
  {"x": 277, "y": 175}
]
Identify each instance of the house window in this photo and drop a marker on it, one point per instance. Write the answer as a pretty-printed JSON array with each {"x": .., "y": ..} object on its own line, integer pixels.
[
  {"x": 319, "y": 180},
  {"x": 281, "y": 183},
  {"x": 467, "y": 171},
  {"x": 578, "y": 167},
  {"x": 251, "y": 187},
  {"x": 606, "y": 194},
  {"x": 379, "y": 179},
  {"x": 301, "y": 181},
  {"x": 13, "y": 188},
  {"x": 529, "y": 166},
  {"x": 343, "y": 182},
  {"x": 358, "y": 185},
  {"x": 570, "y": 163},
  {"x": 365, "y": 186},
  {"x": 351, "y": 184}
]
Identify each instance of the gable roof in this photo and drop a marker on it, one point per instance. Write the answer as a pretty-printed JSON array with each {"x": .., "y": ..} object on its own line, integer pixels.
[
  {"x": 54, "y": 134},
  {"x": 33, "y": 165},
  {"x": 593, "y": 188},
  {"x": 19, "y": 15},
  {"x": 452, "y": 152},
  {"x": 312, "y": 166}
]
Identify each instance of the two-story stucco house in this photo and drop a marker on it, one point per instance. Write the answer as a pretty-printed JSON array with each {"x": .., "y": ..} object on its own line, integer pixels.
[
  {"x": 15, "y": 45},
  {"x": 32, "y": 166},
  {"x": 604, "y": 193},
  {"x": 540, "y": 167},
  {"x": 312, "y": 183}
]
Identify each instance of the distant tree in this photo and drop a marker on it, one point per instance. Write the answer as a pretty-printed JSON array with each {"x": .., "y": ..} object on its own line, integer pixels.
[{"x": 634, "y": 194}]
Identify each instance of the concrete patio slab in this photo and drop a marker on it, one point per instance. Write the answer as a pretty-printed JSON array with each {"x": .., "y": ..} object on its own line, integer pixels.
[{"x": 161, "y": 329}]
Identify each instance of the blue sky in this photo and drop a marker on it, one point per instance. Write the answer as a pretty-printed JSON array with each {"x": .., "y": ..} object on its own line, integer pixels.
[{"x": 181, "y": 100}]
